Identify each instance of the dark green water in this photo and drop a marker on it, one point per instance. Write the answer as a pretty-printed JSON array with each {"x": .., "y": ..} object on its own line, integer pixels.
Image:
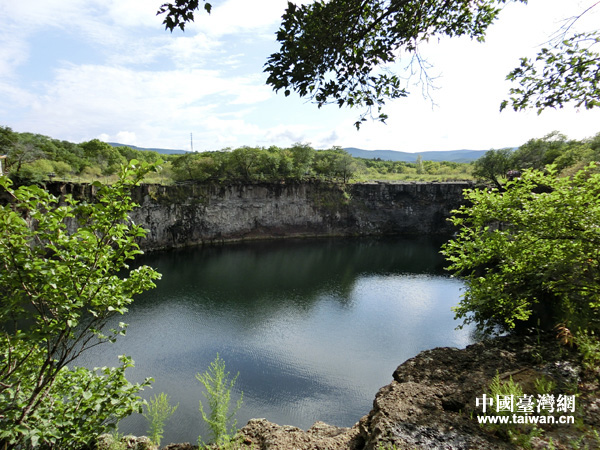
[{"x": 314, "y": 327}]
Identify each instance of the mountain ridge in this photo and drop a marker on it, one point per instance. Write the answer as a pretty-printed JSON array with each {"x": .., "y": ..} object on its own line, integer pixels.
[{"x": 459, "y": 156}]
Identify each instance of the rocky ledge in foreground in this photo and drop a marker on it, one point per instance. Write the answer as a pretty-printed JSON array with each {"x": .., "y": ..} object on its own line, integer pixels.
[{"x": 430, "y": 404}]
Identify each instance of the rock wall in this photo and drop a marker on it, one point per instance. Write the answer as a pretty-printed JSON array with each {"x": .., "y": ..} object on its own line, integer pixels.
[{"x": 192, "y": 214}]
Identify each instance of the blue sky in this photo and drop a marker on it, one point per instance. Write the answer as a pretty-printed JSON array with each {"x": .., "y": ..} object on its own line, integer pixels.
[{"x": 84, "y": 69}]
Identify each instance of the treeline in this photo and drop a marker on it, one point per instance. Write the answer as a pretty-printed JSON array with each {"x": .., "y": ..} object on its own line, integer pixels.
[
  {"x": 568, "y": 155},
  {"x": 34, "y": 157},
  {"x": 379, "y": 169},
  {"x": 266, "y": 164}
]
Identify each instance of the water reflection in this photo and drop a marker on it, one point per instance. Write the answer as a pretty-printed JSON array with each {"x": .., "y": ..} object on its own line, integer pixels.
[{"x": 314, "y": 327}]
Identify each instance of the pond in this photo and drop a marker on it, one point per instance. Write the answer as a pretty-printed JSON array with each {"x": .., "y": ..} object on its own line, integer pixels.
[{"x": 314, "y": 327}]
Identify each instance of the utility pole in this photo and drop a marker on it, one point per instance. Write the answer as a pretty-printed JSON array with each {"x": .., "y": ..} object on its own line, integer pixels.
[{"x": 191, "y": 142}]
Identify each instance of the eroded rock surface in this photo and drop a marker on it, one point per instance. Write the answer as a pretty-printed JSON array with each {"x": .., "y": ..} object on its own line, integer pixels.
[{"x": 430, "y": 404}]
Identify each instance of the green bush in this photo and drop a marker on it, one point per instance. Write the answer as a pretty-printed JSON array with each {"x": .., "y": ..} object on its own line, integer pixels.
[
  {"x": 59, "y": 288},
  {"x": 158, "y": 412},
  {"x": 36, "y": 171},
  {"x": 530, "y": 253}
]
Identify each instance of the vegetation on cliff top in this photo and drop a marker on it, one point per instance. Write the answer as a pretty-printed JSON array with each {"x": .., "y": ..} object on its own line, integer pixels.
[{"x": 34, "y": 158}]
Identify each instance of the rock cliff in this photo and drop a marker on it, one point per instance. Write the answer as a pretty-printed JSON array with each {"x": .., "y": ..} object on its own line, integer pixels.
[{"x": 192, "y": 214}]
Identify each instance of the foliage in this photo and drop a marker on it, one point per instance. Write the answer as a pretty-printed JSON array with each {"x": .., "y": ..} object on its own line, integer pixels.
[
  {"x": 544, "y": 385},
  {"x": 64, "y": 275},
  {"x": 251, "y": 164},
  {"x": 568, "y": 72},
  {"x": 31, "y": 158},
  {"x": 516, "y": 433},
  {"x": 530, "y": 252},
  {"x": 218, "y": 387},
  {"x": 504, "y": 388},
  {"x": 588, "y": 346},
  {"x": 339, "y": 51},
  {"x": 95, "y": 160},
  {"x": 538, "y": 153},
  {"x": 103, "y": 155},
  {"x": 158, "y": 412},
  {"x": 181, "y": 12},
  {"x": 332, "y": 51}
]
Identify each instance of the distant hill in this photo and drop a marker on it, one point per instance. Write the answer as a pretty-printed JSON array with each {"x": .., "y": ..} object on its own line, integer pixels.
[
  {"x": 164, "y": 151},
  {"x": 392, "y": 155},
  {"x": 387, "y": 155}
]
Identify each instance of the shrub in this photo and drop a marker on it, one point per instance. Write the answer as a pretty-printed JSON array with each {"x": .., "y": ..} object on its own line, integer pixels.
[
  {"x": 158, "y": 412},
  {"x": 530, "y": 253},
  {"x": 59, "y": 288}
]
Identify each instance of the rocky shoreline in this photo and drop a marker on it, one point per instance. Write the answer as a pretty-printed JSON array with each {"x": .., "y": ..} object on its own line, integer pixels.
[{"x": 430, "y": 404}]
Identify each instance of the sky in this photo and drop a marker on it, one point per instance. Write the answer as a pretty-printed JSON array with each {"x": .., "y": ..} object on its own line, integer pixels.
[{"x": 82, "y": 69}]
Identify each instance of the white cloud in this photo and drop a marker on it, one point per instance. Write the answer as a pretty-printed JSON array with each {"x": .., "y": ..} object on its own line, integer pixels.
[
  {"x": 126, "y": 137},
  {"x": 129, "y": 75},
  {"x": 239, "y": 16}
]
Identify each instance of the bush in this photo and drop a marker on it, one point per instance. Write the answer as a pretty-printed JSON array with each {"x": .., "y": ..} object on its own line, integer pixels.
[
  {"x": 59, "y": 288},
  {"x": 530, "y": 253}
]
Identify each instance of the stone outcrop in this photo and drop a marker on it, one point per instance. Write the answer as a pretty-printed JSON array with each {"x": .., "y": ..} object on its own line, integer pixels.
[
  {"x": 191, "y": 214},
  {"x": 430, "y": 404}
]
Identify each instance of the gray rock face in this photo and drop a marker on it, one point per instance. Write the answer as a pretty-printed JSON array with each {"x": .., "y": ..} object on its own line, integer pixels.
[{"x": 192, "y": 214}]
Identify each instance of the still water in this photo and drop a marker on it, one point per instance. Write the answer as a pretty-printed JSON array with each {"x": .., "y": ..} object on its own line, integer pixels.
[{"x": 314, "y": 327}]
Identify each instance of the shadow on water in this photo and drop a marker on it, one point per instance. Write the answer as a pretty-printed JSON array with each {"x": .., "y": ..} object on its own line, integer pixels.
[
  {"x": 250, "y": 272},
  {"x": 315, "y": 327}
]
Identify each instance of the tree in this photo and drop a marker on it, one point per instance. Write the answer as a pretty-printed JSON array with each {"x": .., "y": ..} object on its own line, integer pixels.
[
  {"x": 21, "y": 153},
  {"x": 530, "y": 253},
  {"x": 64, "y": 273},
  {"x": 107, "y": 157},
  {"x": 493, "y": 165},
  {"x": 335, "y": 51},
  {"x": 419, "y": 164},
  {"x": 7, "y": 139},
  {"x": 538, "y": 153}
]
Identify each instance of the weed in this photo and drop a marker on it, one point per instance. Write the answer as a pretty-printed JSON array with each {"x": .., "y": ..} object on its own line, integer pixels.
[
  {"x": 159, "y": 411},
  {"x": 544, "y": 385},
  {"x": 218, "y": 393},
  {"x": 588, "y": 346},
  {"x": 513, "y": 432}
]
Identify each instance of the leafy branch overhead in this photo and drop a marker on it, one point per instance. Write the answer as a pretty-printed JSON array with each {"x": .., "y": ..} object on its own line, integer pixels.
[
  {"x": 336, "y": 51},
  {"x": 181, "y": 12},
  {"x": 569, "y": 72},
  {"x": 340, "y": 51}
]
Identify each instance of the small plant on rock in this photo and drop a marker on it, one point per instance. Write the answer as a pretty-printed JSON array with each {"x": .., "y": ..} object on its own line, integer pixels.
[{"x": 158, "y": 412}]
